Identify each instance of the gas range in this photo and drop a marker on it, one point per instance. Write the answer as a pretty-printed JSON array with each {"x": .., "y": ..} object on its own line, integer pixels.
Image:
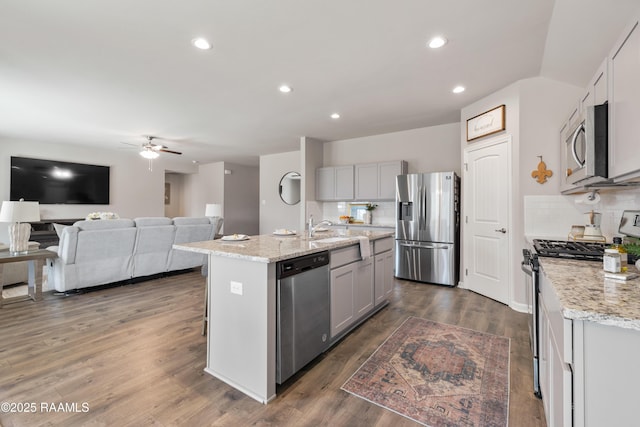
[{"x": 588, "y": 251}]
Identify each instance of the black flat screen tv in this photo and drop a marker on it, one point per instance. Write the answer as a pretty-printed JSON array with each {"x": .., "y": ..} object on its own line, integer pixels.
[{"x": 54, "y": 182}]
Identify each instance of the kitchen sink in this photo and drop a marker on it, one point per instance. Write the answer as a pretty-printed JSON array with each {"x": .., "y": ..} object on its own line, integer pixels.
[{"x": 332, "y": 240}]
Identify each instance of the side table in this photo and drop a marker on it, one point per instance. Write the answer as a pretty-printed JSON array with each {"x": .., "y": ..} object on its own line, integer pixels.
[{"x": 35, "y": 260}]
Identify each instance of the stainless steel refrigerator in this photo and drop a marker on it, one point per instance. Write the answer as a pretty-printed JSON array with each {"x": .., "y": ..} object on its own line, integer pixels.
[{"x": 428, "y": 227}]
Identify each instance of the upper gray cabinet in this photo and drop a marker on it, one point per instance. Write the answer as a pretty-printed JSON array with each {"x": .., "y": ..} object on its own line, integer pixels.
[
  {"x": 597, "y": 89},
  {"x": 334, "y": 183},
  {"x": 624, "y": 106},
  {"x": 377, "y": 181},
  {"x": 367, "y": 182}
]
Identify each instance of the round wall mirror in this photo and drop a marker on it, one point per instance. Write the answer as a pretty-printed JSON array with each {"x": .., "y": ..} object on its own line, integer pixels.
[{"x": 289, "y": 188}]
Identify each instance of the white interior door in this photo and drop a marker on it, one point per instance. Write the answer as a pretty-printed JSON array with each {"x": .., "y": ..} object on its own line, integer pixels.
[{"x": 486, "y": 219}]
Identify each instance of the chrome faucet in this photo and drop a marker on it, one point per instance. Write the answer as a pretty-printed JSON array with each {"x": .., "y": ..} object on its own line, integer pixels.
[
  {"x": 323, "y": 222},
  {"x": 310, "y": 226}
]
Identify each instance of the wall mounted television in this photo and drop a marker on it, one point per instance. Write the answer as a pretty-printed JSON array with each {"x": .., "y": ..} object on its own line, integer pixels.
[{"x": 55, "y": 182}]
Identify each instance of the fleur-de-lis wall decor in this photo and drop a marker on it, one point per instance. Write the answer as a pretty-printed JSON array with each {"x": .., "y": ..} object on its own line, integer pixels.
[{"x": 542, "y": 173}]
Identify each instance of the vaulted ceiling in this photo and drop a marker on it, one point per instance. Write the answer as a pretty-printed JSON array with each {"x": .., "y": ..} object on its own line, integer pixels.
[{"x": 108, "y": 72}]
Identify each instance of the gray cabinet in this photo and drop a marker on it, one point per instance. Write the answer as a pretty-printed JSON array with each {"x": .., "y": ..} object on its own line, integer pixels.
[
  {"x": 377, "y": 181},
  {"x": 597, "y": 89},
  {"x": 368, "y": 182},
  {"x": 383, "y": 269},
  {"x": 351, "y": 288},
  {"x": 334, "y": 183},
  {"x": 364, "y": 288},
  {"x": 587, "y": 375},
  {"x": 343, "y": 282},
  {"x": 383, "y": 275},
  {"x": 366, "y": 187},
  {"x": 556, "y": 358},
  {"x": 359, "y": 286},
  {"x": 624, "y": 105}
]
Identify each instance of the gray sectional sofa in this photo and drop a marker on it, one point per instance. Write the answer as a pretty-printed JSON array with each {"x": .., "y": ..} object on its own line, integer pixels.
[{"x": 93, "y": 253}]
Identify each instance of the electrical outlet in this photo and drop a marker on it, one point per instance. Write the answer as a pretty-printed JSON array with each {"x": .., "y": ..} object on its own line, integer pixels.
[{"x": 236, "y": 288}]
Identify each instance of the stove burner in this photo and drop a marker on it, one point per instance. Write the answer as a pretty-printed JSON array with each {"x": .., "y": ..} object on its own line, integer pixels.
[{"x": 590, "y": 251}]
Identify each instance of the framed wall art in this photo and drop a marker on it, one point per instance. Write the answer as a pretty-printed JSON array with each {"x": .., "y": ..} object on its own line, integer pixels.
[{"x": 486, "y": 123}]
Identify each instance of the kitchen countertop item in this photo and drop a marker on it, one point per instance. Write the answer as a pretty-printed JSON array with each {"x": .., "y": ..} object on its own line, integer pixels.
[{"x": 585, "y": 294}]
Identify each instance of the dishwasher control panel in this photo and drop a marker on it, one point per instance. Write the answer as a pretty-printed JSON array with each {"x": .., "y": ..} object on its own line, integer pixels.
[{"x": 301, "y": 264}]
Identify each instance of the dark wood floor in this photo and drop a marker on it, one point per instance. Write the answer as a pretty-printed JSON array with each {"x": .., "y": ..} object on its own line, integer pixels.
[{"x": 134, "y": 355}]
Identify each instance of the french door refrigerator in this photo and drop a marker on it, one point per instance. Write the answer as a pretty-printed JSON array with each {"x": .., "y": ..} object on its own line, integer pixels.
[{"x": 428, "y": 227}]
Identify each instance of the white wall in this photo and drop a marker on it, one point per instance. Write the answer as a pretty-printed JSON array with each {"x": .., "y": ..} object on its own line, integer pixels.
[
  {"x": 274, "y": 213},
  {"x": 430, "y": 149},
  {"x": 545, "y": 105},
  {"x": 207, "y": 186}
]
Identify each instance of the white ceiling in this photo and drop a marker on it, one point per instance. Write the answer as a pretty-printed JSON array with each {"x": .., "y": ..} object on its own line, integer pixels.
[{"x": 107, "y": 72}]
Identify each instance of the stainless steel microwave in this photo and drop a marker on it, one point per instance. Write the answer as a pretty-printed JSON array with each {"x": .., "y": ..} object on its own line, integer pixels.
[{"x": 585, "y": 147}]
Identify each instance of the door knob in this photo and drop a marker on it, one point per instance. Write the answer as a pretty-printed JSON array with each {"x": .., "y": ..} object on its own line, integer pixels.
[{"x": 502, "y": 230}]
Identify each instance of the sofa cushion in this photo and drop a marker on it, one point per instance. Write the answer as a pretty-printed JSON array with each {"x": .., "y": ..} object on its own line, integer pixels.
[
  {"x": 189, "y": 230},
  {"x": 184, "y": 220},
  {"x": 152, "y": 220},
  {"x": 152, "y": 247},
  {"x": 104, "y": 224}
]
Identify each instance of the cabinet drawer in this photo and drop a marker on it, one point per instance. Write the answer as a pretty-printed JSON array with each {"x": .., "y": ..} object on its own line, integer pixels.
[
  {"x": 382, "y": 245},
  {"x": 344, "y": 256}
]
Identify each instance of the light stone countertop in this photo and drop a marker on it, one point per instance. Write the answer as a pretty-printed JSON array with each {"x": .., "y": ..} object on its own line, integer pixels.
[
  {"x": 586, "y": 295},
  {"x": 271, "y": 248}
]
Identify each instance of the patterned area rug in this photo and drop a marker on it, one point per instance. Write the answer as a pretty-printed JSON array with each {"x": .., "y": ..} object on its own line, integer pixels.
[{"x": 438, "y": 375}]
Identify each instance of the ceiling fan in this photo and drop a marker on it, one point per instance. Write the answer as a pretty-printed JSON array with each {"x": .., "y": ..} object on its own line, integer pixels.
[{"x": 152, "y": 151}]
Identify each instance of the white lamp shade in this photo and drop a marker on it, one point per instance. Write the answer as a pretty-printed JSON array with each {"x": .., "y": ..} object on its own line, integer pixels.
[
  {"x": 213, "y": 209},
  {"x": 19, "y": 211}
]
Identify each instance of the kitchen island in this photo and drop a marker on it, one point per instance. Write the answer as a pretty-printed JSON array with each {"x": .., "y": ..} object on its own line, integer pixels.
[
  {"x": 589, "y": 332},
  {"x": 242, "y": 295}
]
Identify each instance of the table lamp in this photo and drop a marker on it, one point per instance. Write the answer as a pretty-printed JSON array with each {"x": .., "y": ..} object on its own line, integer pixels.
[
  {"x": 19, "y": 214},
  {"x": 213, "y": 209}
]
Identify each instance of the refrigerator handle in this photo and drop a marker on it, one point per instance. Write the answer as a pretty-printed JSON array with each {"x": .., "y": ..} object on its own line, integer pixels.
[
  {"x": 422, "y": 246},
  {"x": 422, "y": 224}
]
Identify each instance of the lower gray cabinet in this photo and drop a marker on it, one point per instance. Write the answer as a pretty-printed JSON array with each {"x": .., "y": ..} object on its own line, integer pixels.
[
  {"x": 364, "y": 288},
  {"x": 383, "y": 274},
  {"x": 343, "y": 283},
  {"x": 359, "y": 286},
  {"x": 351, "y": 294}
]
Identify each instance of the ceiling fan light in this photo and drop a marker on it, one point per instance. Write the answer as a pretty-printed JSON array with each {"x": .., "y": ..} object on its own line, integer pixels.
[
  {"x": 149, "y": 154},
  {"x": 437, "y": 42},
  {"x": 201, "y": 43}
]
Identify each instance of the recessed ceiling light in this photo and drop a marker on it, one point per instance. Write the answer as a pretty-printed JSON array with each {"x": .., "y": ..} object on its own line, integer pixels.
[
  {"x": 285, "y": 89},
  {"x": 458, "y": 89},
  {"x": 335, "y": 116},
  {"x": 201, "y": 43},
  {"x": 437, "y": 42}
]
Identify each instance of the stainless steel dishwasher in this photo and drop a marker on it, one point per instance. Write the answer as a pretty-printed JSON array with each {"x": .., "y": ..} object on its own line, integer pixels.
[{"x": 303, "y": 312}]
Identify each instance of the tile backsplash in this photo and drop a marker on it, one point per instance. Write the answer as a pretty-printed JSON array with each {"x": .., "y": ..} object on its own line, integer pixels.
[
  {"x": 384, "y": 214},
  {"x": 553, "y": 216}
]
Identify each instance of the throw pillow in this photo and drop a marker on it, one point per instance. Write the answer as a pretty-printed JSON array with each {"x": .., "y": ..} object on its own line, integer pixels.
[{"x": 59, "y": 228}]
